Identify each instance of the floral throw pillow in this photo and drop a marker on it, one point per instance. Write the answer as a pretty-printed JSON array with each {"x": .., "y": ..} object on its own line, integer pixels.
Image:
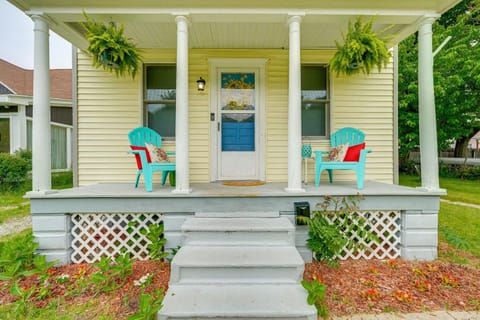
[
  {"x": 338, "y": 153},
  {"x": 157, "y": 154}
]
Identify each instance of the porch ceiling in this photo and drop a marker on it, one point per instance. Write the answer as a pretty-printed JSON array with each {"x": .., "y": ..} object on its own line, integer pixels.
[{"x": 234, "y": 24}]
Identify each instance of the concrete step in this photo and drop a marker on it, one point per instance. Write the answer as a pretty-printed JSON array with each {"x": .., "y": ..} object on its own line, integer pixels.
[
  {"x": 238, "y": 231},
  {"x": 255, "y": 264},
  {"x": 238, "y": 214},
  {"x": 249, "y": 301}
]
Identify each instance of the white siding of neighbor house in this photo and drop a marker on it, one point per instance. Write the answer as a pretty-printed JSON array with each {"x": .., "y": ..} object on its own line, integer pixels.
[{"x": 109, "y": 107}]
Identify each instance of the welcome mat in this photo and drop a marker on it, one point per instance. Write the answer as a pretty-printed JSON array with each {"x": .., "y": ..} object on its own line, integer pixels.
[{"x": 243, "y": 183}]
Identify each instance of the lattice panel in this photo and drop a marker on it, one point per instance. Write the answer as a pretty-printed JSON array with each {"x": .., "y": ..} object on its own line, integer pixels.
[
  {"x": 385, "y": 225},
  {"x": 101, "y": 234}
]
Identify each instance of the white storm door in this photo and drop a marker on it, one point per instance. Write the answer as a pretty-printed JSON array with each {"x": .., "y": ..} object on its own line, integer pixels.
[{"x": 238, "y": 124}]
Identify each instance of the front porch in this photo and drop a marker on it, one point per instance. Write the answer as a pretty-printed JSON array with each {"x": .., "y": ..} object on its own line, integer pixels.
[{"x": 409, "y": 214}]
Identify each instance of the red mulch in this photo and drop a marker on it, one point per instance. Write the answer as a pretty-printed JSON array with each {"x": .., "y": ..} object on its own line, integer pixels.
[{"x": 357, "y": 286}]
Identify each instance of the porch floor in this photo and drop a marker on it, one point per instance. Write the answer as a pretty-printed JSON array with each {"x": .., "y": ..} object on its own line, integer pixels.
[{"x": 217, "y": 189}]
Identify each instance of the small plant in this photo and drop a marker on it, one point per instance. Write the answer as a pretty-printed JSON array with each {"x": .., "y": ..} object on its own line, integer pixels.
[
  {"x": 371, "y": 294},
  {"x": 402, "y": 296},
  {"x": 110, "y": 49},
  {"x": 454, "y": 239},
  {"x": 112, "y": 271},
  {"x": 144, "y": 281},
  {"x": 157, "y": 242},
  {"x": 327, "y": 240},
  {"x": 63, "y": 278},
  {"x": 418, "y": 272},
  {"x": 422, "y": 285},
  {"x": 392, "y": 263},
  {"x": 316, "y": 296},
  {"x": 369, "y": 283},
  {"x": 362, "y": 49},
  {"x": 431, "y": 267},
  {"x": 149, "y": 305},
  {"x": 449, "y": 280},
  {"x": 373, "y": 270}
]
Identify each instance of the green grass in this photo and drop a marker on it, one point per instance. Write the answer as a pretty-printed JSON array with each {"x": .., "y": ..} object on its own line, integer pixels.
[
  {"x": 13, "y": 203},
  {"x": 463, "y": 225},
  {"x": 467, "y": 191},
  {"x": 59, "y": 310},
  {"x": 15, "y": 237}
]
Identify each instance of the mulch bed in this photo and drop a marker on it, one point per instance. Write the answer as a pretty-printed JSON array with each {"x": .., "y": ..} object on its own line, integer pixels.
[{"x": 357, "y": 286}]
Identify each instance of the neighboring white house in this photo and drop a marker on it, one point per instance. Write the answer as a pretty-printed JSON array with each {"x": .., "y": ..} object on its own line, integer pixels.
[{"x": 16, "y": 110}]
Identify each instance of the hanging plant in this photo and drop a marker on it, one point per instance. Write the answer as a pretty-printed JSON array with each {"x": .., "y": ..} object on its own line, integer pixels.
[
  {"x": 110, "y": 49},
  {"x": 362, "y": 49}
]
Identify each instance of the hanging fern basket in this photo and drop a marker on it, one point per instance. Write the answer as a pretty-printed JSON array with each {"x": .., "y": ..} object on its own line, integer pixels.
[
  {"x": 362, "y": 49},
  {"x": 110, "y": 49}
]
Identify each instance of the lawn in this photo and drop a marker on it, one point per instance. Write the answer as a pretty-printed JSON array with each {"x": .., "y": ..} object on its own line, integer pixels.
[
  {"x": 13, "y": 204},
  {"x": 458, "y": 225},
  {"x": 457, "y": 190}
]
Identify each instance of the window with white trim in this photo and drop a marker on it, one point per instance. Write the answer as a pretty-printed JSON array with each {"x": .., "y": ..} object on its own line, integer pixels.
[
  {"x": 315, "y": 102},
  {"x": 159, "y": 99}
]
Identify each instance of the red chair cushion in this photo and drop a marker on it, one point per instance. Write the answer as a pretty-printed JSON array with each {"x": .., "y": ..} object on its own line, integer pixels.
[
  {"x": 137, "y": 156},
  {"x": 353, "y": 152}
]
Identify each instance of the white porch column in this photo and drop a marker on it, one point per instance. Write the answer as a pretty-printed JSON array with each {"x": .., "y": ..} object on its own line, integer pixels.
[
  {"x": 294, "y": 108},
  {"x": 426, "y": 108},
  {"x": 181, "y": 122},
  {"x": 41, "y": 145}
]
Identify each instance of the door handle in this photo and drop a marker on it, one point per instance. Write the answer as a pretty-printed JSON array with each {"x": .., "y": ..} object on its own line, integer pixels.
[{"x": 218, "y": 126}]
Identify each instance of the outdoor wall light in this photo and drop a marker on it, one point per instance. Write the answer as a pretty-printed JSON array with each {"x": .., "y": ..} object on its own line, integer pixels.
[{"x": 200, "y": 84}]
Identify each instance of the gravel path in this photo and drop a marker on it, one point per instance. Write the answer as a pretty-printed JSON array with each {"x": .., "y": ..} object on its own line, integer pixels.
[
  {"x": 471, "y": 205},
  {"x": 15, "y": 225}
]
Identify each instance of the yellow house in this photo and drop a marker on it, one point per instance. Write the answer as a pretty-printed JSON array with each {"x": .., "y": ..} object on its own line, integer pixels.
[{"x": 279, "y": 52}]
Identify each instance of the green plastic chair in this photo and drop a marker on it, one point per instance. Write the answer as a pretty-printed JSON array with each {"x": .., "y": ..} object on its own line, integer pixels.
[
  {"x": 138, "y": 137},
  {"x": 354, "y": 137}
]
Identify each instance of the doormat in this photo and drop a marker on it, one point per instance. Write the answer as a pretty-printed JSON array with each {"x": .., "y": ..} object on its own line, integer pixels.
[{"x": 243, "y": 183}]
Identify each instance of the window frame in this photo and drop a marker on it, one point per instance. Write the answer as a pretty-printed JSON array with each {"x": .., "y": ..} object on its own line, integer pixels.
[
  {"x": 145, "y": 102},
  {"x": 326, "y": 101}
]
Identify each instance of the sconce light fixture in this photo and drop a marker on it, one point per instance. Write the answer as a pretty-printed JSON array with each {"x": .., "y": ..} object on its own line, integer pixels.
[{"x": 200, "y": 84}]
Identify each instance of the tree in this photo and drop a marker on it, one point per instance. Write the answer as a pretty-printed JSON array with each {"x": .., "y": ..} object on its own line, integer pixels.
[{"x": 457, "y": 81}]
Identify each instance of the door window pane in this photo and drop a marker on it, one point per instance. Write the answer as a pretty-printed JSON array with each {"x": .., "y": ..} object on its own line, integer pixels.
[
  {"x": 238, "y": 132},
  {"x": 5, "y": 135},
  {"x": 315, "y": 101},
  {"x": 160, "y": 99}
]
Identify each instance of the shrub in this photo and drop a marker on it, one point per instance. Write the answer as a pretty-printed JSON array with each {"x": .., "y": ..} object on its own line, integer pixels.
[
  {"x": 460, "y": 171},
  {"x": 25, "y": 155},
  {"x": 13, "y": 171}
]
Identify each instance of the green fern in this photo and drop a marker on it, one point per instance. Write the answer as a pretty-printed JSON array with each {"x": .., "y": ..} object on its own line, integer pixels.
[
  {"x": 110, "y": 49},
  {"x": 362, "y": 49}
]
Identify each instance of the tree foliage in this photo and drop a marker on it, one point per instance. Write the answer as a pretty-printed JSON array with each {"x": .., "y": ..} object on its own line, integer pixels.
[{"x": 456, "y": 76}]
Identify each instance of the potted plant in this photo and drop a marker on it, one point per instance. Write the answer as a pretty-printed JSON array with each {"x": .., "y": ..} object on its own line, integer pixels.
[
  {"x": 110, "y": 49},
  {"x": 362, "y": 49}
]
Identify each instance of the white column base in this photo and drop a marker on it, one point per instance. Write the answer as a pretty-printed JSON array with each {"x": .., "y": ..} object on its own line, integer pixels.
[
  {"x": 294, "y": 190},
  {"x": 182, "y": 191}
]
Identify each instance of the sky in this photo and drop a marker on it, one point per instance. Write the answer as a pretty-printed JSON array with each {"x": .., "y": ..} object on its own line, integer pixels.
[{"x": 16, "y": 40}]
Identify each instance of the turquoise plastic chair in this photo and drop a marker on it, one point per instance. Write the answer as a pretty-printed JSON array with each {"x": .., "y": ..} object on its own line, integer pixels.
[
  {"x": 353, "y": 136},
  {"x": 138, "y": 137}
]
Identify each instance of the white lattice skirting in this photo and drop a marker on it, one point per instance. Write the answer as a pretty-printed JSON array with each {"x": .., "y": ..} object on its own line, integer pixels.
[
  {"x": 385, "y": 225},
  {"x": 104, "y": 234}
]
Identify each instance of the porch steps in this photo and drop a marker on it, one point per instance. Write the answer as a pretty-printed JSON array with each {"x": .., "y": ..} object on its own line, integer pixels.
[
  {"x": 240, "y": 264},
  {"x": 237, "y": 268},
  {"x": 238, "y": 232},
  {"x": 238, "y": 214}
]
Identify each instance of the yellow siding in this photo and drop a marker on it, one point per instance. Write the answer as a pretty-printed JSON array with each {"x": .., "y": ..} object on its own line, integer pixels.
[{"x": 109, "y": 107}]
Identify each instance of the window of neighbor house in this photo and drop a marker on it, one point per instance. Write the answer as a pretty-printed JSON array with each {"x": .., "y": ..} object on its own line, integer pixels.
[
  {"x": 160, "y": 98},
  {"x": 315, "y": 101}
]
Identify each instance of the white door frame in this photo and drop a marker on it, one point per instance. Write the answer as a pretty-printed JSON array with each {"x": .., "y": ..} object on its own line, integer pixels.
[{"x": 215, "y": 65}]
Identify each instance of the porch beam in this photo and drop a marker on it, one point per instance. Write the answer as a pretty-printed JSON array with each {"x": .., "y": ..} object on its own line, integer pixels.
[
  {"x": 426, "y": 107},
  {"x": 181, "y": 115},
  {"x": 41, "y": 145},
  {"x": 294, "y": 108}
]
